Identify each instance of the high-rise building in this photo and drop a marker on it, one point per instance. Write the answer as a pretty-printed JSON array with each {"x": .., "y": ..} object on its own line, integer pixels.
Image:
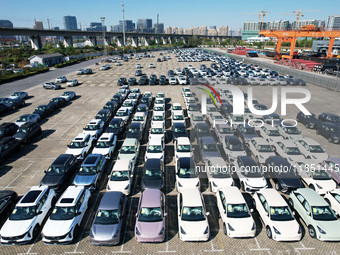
[
  {"x": 203, "y": 30},
  {"x": 212, "y": 32},
  {"x": 39, "y": 25},
  {"x": 144, "y": 25},
  {"x": 252, "y": 29},
  {"x": 5, "y": 23},
  {"x": 223, "y": 30},
  {"x": 212, "y": 27},
  {"x": 333, "y": 22},
  {"x": 115, "y": 28},
  {"x": 129, "y": 26},
  {"x": 70, "y": 23},
  {"x": 280, "y": 25},
  {"x": 96, "y": 26},
  {"x": 188, "y": 31},
  {"x": 298, "y": 24},
  {"x": 168, "y": 30},
  {"x": 160, "y": 28}
]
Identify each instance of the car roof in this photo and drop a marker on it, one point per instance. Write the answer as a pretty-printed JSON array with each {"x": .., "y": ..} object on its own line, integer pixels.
[
  {"x": 273, "y": 197},
  {"x": 260, "y": 140},
  {"x": 105, "y": 137},
  {"x": 153, "y": 163},
  {"x": 155, "y": 141},
  {"x": 70, "y": 196},
  {"x": 247, "y": 160},
  {"x": 116, "y": 120},
  {"x": 310, "y": 141},
  {"x": 129, "y": 141},
  {"x": 269, "y": 127},
  {"x": 32, "y": 196},
  {"x": 80, "y": 137},
  {"x": 186, "y": 162},
  {"x": 312, "y": 197},
  {"x": 91, "y": 160},
  {"x": 183, "y": 140},
  {"x": 28, "y": 124},
  {"x": 232, "y": 195},
  {"x": 139, "y": 114},
  {"x": 178, "y": 112},
  {"x": 288, "y": 143},
  {"x": 217, "y": 161},
  {"x": 94, "y": 122},
  {"x": 110, "y": 200},
  {"x": 278, "y": 160},
  {"x": 60, "y": 161},
  {"x": 329, "y": 124},
  {"x": 201, "y": 125},
  {"x": 151, "y": 198},
  {"x": 191, "y": 197},
  {"x": 6, "y": 124},
  {"x": 208, "y": 139},
  {"x": 135, "y": 124},
  {"x": 156, "y": 125},
  {"x": 121, "y": 165}
]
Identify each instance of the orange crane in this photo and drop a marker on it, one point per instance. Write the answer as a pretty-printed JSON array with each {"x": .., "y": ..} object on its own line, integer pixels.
[{"x": 292, "y": 35}]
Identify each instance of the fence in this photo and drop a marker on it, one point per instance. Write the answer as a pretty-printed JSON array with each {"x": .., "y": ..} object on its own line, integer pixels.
[{"x": 317, "y": 79}]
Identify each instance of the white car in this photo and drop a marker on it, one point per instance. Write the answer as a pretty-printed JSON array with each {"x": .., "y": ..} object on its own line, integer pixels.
[
  {"x": 185, "y": 90},
  {"x": 189, "y": 100},
  {"x": 172, "y": 80},
  {"x": 234, "y": 212},
  {"x": 138, "y": 66},
  {"x": 176, "y": 107},
  {"x": 215, "y": 118},
  {"x": 182, "y": 80},
  {"x": 187, "y": 95},
  {"x": 26, "y": 118},
  {"x": 159, "y": 108},
  {"x": 160, "y": 95},
  {"x": 186, "y": 175},
  {"x": 270, "y": 134},
  {"x": 178, "y": 117},
  {"x": 19, "y": 94},
  {"x": 80, "y": 146},
  {"x": 235, "y": 120},
  {"x": 28, "y": 215},
  {"x": 118, "y": 63},
  {"x": 129, "y": 150},
  {"x": 151, "y": 65},
  {"x": 218, "y": 173},
  {"x": 128, "y": 104},
  {"x": 277, "y": 217},
  {"x": 158, "y": 117},
  {"x": 123, "y": 114},
  {"x": 94, "y": 128},
  {"x": 160, "y": 100},
  {"x": 289, "y": 150},
  {"x": 192, "y": 216},
  {"x": 140, "y": 117},
  {"x": 158, "y": 131},
  {"x": 106, "y": 145},
  {"x": 312, "y": 149},
  {"x": 121, "y": 177},
  {"x": 80, "y": 71},
  {"x": 61, "y": 79},
  {"x": 261, "y": 149},
  {"x": 182, "y": 147},
  {"x": 315, "y": 176},
  {"x": 71, "y": 83},
  {"x": 63, "y": 225},
  {"x": 333, "y": 199},
  {"x": 69, "y": 95},
  {"x": 155, "y": 149},
  {"x": 290, "y": 132}
]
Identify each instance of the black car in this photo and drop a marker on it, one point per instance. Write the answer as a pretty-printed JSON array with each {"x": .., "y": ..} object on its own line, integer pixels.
[
  {"x": 153, "y": 174},
  {"x": 282, "y": 173},
  {"x": 122, "y": 81},
  {"x": 152, "y": 81},
  {"x": 88, "y": 71},
  {"x": 4, "y": 108},
  {"x": 44, "y": 110},
  {"x": 246, "y": 132},
  {"x": 8, "y": 129},
  {"x": 201, "y": 130},
  {"x": 163, "y": 81},
  {"x": 159, "y": 60},
  {"x": 27, "y": 132},
  {"x": 136, "y": 130},
  {"x": 15, "y": 103},
  {"x": 105, "y": 115},
  {"x": 60, "y": 173},
  {"x": 8, "y": 199},
  {"x": 146, "y": 101},
  {"x": 330, "y": 131},
  {"x": 132, "y": 81},
  {"x": 8, "y": 146},
  {"x": 329, "y": 117},
  {"x": 116, "y": 126},
  {"x": 179, "y": 130},
  {"x": 226, "y": 109},
  {"x": 57, "y": 102},
  {"x": 142, "y": 108},
  {"x": 111, "y": 106},
  {"x": 138, "y": 72},
  {"x": 272, "y": 119},
  {"x": 310, "y": 121},
  {"x": 117, "y": 98},
  {"x": 143, "y": 81},
  {"x": 171, "y": 73}
]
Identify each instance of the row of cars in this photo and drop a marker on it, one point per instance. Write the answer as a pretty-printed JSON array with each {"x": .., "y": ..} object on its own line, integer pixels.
[
  {"x": 62, "y": 79},
  {"x": 14, "y": 101}
]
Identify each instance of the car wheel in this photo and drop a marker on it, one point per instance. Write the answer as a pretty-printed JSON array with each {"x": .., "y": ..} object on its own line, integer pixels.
[
  {"x": 269, "y": 232},
  {"x": 277, "y": 186},
  {"x": 311, "y": 186},
  {"x": 242, "y": 187},
  {"x": 228, "y": 159},
  {"x": 75, "y": 232},
  {"x": 317, "y": 132},
  {"x": 53, "y": 88},
  {"x": 36, "y": 232},
  {"x": 330, "y": 140},
  {"x": 311, "y": 231},
  {"x": 257, "y": 159},
  {"x": 225, "y": 229},
  {"x": 291, "y": 203}
]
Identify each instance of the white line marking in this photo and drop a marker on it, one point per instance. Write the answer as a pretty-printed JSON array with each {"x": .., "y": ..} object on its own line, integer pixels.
[
  {"x": 73, "y": 124},
  {"x": 18, "y": 176}
]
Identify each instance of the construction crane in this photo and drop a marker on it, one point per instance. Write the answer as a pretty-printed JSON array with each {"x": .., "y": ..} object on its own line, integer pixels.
[
  {"x": 298, "y": 13},
  {"x": 261, "y": 13}
]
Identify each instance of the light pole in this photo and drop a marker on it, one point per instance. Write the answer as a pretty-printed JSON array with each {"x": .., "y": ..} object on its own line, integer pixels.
[
  {"x": 123, "y": 24},
  {"x": 103, "y": 20},
  {"x": 157, "y": 31}
]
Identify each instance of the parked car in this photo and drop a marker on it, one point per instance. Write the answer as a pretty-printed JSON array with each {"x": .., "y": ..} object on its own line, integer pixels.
[
  {"x": 270, "y": 134},
  {"x": 8, "y": 129},
  {"x": 105, "y": 145},
  {"x": 69, "y": 95},
  {"x": 218, "y": 173},
  {"x": 15, "y": 103},
  {"x": 27, "y": 132},
  {"x": 44, "y": 110},
  {"x": 80, "y": 146},
  {"x": 261, "y": 149},
  {"x": 312, "y": 150},
  {"x": 94, "y": 128},
  {"x": 116, "y": 126},
  {"x": 61, "y": 79},
  {"x": 8, "y": 147},
  {"x": 329, "y": 117},
  {"x": 208, "y": 148},
  {"x": 330, "y": 131},
  {"x": 233, "y": 148},
  {"x": 310, "y": 121},
  {"x": 51, "y": 85},
  {"x": 129, "y": 150},
  {"x": 19, "y": 94},
  {"x": 72, "y": 83},
  {"x": 289, "y": 132},
  {"x": 289, "y": 150},
  {"x": 333, "y": 199},
  {"x": 246, "y": 133},
  {"x": 332, "y": 166},
  {"x": 153, "y": 174},
  {"x": 186, "y": 175},
  {"x": 57, "y": 102},
  {"x": 121, "y": 177},
  {"x": 8, "y": 198},
  {"x": 27, "y": 118}
]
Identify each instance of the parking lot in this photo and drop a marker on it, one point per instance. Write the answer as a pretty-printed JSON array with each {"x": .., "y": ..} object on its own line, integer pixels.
[{"x": 27, "y": 167}]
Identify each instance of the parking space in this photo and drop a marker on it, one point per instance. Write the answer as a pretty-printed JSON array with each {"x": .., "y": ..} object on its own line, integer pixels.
[{"x": 26, "y": 168}]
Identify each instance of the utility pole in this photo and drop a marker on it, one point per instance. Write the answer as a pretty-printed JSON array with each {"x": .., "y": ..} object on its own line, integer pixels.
[
  {"x": 157, "y": 30},
  {"x": 103, "y": 20},
  {"x": 123, "y": 24}
]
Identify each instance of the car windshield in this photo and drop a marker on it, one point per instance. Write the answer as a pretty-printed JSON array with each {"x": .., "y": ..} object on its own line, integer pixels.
[
  {"x": 119, "y": 176},
  {"x": 224, "y": 130},
  {"x": 335, "y": 129},
  {"x": 293, "y": 151},
  {"x": 238, "y": 118},
  {"x": 159, "y": 108},
  {"x": 204, "y": 130},
  {"x": 218, "y": 117},
  {"x": 280, "y": 213},
  {"x": 198, "y": 118},
  {"x": 127, "y": 104},
  {"x": 41, "y": 108},
  {"x": 264, "y": 148},
  {"x": 91, "y": 127},
  {"x": 251, "y": 171},
  {"x": 249, "y": 131},
  {"x": 273, "y": 133},
  {"x": 235, "y": 147},
  {"x": 193, "y": 108},
  {"x": 141, "y": 109},
  {"x": 183, "y": 148},
  {"x": 122, "y": 114},
  {"x": 23, "y": 213},
  {"x": 55, "y": 170},
  {"x": 220, "y": 173},
  {"x": 87, "y": 170},
  {"x": 107, "y": 217},
  {"x": 63, "y": 213},
  {"x": 138, "y": 118},
  {"x": 335, "y": 119},
  {"x": 180, "y": 130},
  {"x": 237, "y": 211},
  {"x": 178, "y": 117},
  {"x": 156, "y": 130},
  {"x": 193, "y": 213},
  {"x": 74, "y": 145},
  {"x": 101, "y": 144},
  {"x": 187, "y": 173},
  {"x": 158, "y": 117},
  {"x": 22, "y": 119},
  {"x": 153, "y": 174},
  {"x": 134, "y": 130},
  {"x": 292, "y": 131},
  {"x": 177, "y": 107},
  {"x": 316, "y": 149},
  {"x": 324, "y": 213},
  {"x": 320, "y": 175},
  {"x": 67, "y": 93},
  {"x": 153, "y": 214},
  {"x": 114, "y": 125},
  {"x": 154, "y": 149},
  {"x": 127, "y": 149}
]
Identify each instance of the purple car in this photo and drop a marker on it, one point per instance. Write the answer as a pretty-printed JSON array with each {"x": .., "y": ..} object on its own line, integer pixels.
[
  {"x": 222, "y": 130},
  {"x": 333, "y": 168},
  {"x": 150, "y": 224}
]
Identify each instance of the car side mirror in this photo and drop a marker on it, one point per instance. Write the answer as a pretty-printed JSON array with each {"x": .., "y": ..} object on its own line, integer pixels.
[
  {"x": 68, "y": 146},
  {"x": 45, "y": 171},
  {"x": 40, "y": 212},
  {"x": 207, "y": 213},
  {"x": 165, "y": 214},
  {"x": 136, "y": 215},
  {"x": 131, "y": 175},
  {"x": 78, "y": 213},
  {"x": 251, "y": 210},
  {"x": 267, "y": 213}
]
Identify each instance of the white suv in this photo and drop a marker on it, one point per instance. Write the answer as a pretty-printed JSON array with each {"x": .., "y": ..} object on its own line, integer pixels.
[
  {"x": 106, "y": 145},
  {"x": 121, "y": 176},
  {"x": 64, "y": 222},
  {"x": 94, "y": 128},
  {"x": 80, "y": 146}
]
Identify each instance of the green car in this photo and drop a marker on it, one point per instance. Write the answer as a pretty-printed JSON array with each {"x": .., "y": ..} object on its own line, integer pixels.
[
  {"x": 129, "y": 150},
  {"x": 316, "y": 213}
]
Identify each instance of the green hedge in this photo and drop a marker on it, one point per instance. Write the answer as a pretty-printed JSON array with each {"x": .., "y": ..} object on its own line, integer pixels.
[
  {"x": 18, "y": 76},
  {"x": 72, "y": 62}
]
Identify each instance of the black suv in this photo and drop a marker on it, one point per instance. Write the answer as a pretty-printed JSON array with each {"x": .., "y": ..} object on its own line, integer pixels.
[
  {"x": 60, "y": 173},
  {"x": 8, "y": 145},
  {"x": 57, "y": 102},
  {"x": 44, "y": 110},
  {"x": 27, "y": 132},
  {"x": 329, "y": 117},
  {"x": 116, "y": 127},
  {"x": 310, "y": 121},
  {"x": 122, "y": 81},
  {"x": 8, "y": 129}
]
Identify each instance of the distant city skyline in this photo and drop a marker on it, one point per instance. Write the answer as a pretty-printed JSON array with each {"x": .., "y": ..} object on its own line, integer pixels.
[{"x": 219, "y": 13}]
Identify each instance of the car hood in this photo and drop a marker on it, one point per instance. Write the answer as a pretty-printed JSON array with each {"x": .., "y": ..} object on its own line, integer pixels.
[
  {"x": 242, "y": 225},
  {"x": 320, "y": 157},
  {"x": 113, "y": 130},
  {"x": 102, "y": 151},
  {"x": 57, "y": 227},
  {"x": 16, "y": 227},
  {"x": 157, "y": 155},
  {"x": 223, "y": 182},
  {"x": 330, "y": 227},
  {"x": 73, "y": 151},
  {"x": 104, "y": 232},
  {"x": 188, "y": 182},
  {"x": 52, "y": 180},
  {"x": 20, "y": 136},
  {"x": 287, "y": 228},
  {"x": 117, "y": 185},
  {"x": 137, "y": 136},
  {"x": 194, "y": 228},
  {"x": 126, "y": 156},
  {"x": 20, "y": 123},
  {"x": 256, "y": 182},
  {"x": 149, "y": 229},
  {"x": 90, "y": 132},
  {"x": 84, "y": 180},
  {"x": 290, "y": 182},
  {"x": 152, "y": 184},
  {"x": 249, "y": 136},
  {"x": 210, "y": 154}
]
